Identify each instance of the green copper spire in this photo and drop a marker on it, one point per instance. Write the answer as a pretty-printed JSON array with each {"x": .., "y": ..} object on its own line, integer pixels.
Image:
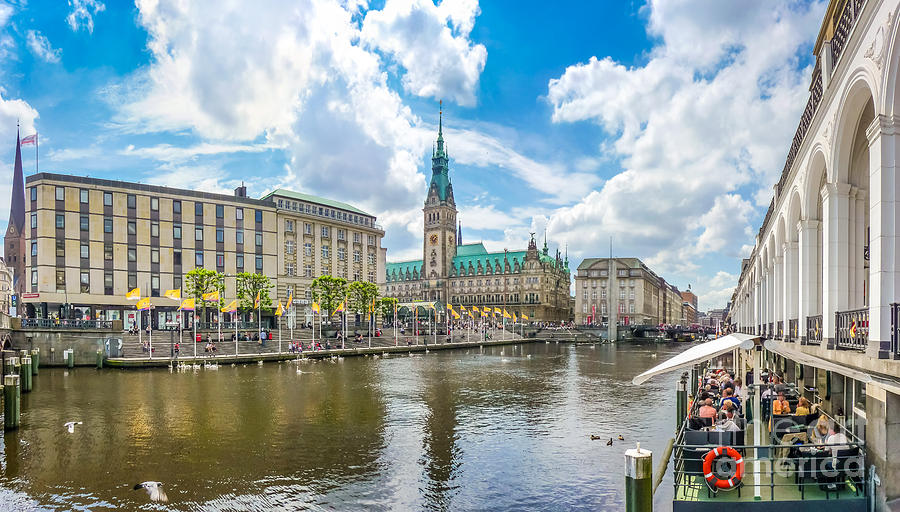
[{"x": 440, "y": 168}]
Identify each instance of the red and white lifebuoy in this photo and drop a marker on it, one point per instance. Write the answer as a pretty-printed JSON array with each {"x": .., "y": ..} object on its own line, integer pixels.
[{"x": 723, "y": 483}]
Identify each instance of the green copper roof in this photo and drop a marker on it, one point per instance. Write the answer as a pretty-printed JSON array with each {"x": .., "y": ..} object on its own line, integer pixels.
[
  {"x": 313, "y": 199},
  {"x": 471, "y": 249},
  {"x": 402, "y": 267},
  {"x": 442, "y": 181},
  {"x": 486, "y": 258}
]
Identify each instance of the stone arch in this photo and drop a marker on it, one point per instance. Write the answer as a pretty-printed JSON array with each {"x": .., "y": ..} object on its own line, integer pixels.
[
  {"x": 887, "y": 45},
  {"x": 854, "y": 103},
  {"x": 794, "y": 214}
]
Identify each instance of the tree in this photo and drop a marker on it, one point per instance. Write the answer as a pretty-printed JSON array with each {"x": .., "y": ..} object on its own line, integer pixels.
[
  {"x": 201, "y": 281},
  {"x": 248, "y": 285},
  {"x": 362, "y": 294},
  {"x": 328, "y": 292},
  {"x": 387, "y": 305}
]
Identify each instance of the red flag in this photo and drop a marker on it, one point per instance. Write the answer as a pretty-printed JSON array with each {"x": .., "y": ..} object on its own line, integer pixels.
[{"x": 31, "y": 139}]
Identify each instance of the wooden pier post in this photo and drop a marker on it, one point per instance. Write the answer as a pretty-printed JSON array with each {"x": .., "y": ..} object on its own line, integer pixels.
[
  {"x": 35, "y": 360},
  {"x": 11, "y": 402},
  {"x": 99, "y": 359},
  {"x": 70, "y": 358},
  {"x": 681, "y": 401},
  {"x": 26, "y": 382},
  {"x": 638, "y": 480}
]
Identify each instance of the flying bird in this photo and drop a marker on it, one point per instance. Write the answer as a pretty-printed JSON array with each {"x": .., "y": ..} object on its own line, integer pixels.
[
  {"x": 70, "y": 426},
  {"x": 154, "y": 490}
]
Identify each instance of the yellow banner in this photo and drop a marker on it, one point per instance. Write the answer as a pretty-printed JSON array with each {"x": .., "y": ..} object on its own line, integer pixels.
[
  {"x": 315, "y": 307},
  {"x": 506, "y": 315},
  {"x": 174, "y": 294},
  {"x": 134, "y": 294},
  {"x": 256, "y": 302},
  {"x": 280, "y": 310},
  {"x": 187, "y": 305},
  {"x": 524, "y": 316},
  {"x": 211, "y": 296},
  {"x": 231, "y": 307},
  {"x": 143, "y": 304}
]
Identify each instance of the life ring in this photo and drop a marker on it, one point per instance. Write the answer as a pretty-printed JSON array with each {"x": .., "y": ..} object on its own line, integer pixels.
[{"x": 723, "y": 483}]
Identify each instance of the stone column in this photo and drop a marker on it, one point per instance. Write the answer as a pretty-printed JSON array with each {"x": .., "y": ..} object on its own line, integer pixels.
[
  {"x": 835, "y": 210},
  {"x": 884, "y": 247},
  {"x": 791, "y": 283},
  {"x": 860, "y": 298},
  {"x": 778, "y": 290}
]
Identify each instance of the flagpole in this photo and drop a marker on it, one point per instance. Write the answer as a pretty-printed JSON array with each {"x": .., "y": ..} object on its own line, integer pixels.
[
  {"x": 36, "y": 144},
  {"x": 235, "y": 320},
  {"x": 219, "y": 316},
  {"x": 150, "y": 328},
  {"x": 140, "y": 324},
  {"x": 279, "y": 333}
]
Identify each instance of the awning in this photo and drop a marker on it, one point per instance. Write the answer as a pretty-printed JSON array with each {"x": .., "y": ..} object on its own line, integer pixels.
[
  {"x": 699, "y": 353},
  {"x": 807, "y": 359}
]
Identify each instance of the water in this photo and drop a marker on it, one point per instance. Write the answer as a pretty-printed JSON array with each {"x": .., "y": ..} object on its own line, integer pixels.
[{"x": 506, "y": 428}]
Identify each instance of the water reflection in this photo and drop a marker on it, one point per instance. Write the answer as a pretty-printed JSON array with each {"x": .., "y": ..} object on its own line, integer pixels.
[{"x": 499, "y": 428}]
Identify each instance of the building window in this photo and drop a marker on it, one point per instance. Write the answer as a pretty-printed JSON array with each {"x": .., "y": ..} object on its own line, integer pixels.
[
  {"x": 60, "y": 248},
  {"x": 176, "y": 231},
  {"x": 154, "y": 286},
  {"x": 33, "y": 195},
  {"x": 259, "y": 216},
  {"x": 220, "y": 211},
  {"x": 176, "y": 257},
  {"x": 60, "y": 221},
  {"x": 325, "y": 252},
  {"x": 324, "y": 231},
  {"x": 371, "y": 239},
  {"x": 132, "y": 254},
  {"x": 357, "y": 238},
  {"x": 307, "y": 249},
  {"x": 259, "y": 239},
  {"x": 371, "y": 258},
  {"x": 34, "y": 279},
  {"x": 357, "y": 256},
  {"x": 33, "y": 221},
  {"x": 60, "y": 281},
  {"x": 132, "y": 227},
  {"x": 239, "y": 236},
  {"x": 198, "y": 209},
  {"x": 107, "y": 225},
  {"x": 60, "y": 193},
  {"x": 289, "y": 269},
  {"x": 154, "y": 204},
  {"x": 289, "y": 247},
  {"x": 132, "y": 280},
  {"x": 240, "y": 261},
  {"x": 132, "y": 201},
  {"x": 239, "y": 213},
  {"x": 176, "y": 282},
  {"x": 108, "y": 252},
  {"x": 83, "y": 196},
  {"x": 107, "y": 282},
  {"x": 176, "y": 206},
  {"x": 85, "y": 282},
  {"x": 307, "y": 228},
  {"x": 289, "y": 226},
  {"x": 33, "y": 249},
  {"x": 307, "y": 270},
  {"x": 84, "y": 223},
  {"x": 220, "y": 260},
  {"x": 631, "y": 307},
  {"x": 198, "y": 258},
  {"x": 259, "y": 262},
  {"x": 154, "y": 255},
  {"x": 340, "y": 234},
  {"x": 107, "y": 199},
  {"x": 220, "y": 235},
  {"x": 342, "y": 253},
  {"x": 85, "y": 251},
  {"x": 198, "y": 233},
  {"x": 154, "y": 229}
]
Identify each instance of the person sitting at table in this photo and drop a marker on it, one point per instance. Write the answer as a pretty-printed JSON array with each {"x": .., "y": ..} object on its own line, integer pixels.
[
  {"x": 781, "y": 405},
  {"x": 819, "y": 432},
  {"x": 728, "y": 397},
  {"x": 728, "y": 424},
  {"x": 725, "y": 407},
  {"x": 707, "y": 410},
  {"x": 802, "y": 407}
]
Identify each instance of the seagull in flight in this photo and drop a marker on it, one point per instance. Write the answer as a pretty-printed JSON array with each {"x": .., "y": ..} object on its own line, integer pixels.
[
  {"x": 70, "y": 426},
  {"x": 154, "y": 490}
]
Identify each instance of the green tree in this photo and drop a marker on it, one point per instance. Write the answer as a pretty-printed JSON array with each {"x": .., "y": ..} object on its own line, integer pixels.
[
  {"x": 362, "y": 295},
  {"x": 328, "y": 292},
  {"x": 248, "y": 285},
  {"x": 199, "y": 282},
  {"x": 387, "y": 305}
]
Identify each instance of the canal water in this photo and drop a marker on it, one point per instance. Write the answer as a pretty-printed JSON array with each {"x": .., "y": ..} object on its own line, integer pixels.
[{"x": 503, "y": 428}]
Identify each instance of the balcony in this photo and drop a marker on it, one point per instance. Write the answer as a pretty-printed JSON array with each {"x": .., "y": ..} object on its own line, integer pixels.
[
  {"x": 779, "y": 329},
  {"x": 814, "y": 328},
  {"x": 895, "y": 333},
  {"x": 852, "y": 329},
  {"x": 793, "y": 330}
]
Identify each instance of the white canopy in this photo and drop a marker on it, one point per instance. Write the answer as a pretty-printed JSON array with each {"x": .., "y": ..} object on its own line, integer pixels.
[
  {"x": 803, "y": 358},
  {"x": 699, "y": 353}
]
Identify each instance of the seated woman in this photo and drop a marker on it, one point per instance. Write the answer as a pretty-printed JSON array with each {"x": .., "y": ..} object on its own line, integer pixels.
[
  {"x": 802, "y": 407},
  {"x": 707, "y": 410},
  {"x": 781, "y": 405}
]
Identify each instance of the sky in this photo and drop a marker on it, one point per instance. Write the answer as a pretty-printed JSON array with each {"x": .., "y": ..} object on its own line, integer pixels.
[{"x": 660, "y": 125}]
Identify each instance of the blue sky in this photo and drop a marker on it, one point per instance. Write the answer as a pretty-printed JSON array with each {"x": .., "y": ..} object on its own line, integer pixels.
[{"x": 661, "y": 124}]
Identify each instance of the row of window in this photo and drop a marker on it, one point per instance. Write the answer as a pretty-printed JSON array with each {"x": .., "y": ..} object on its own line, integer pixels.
[
  {"x": 322, "y": 211},
  {"x": 584, "y": 284},
  {"x": 604, "y": 273},
  {"x": 131, "y": 229},
  {"x": 603, "y": 294},
  {"x": 622, "y": 308},
  {"x": 131, "y": 200},
  {"x": 326, "y": 232}
]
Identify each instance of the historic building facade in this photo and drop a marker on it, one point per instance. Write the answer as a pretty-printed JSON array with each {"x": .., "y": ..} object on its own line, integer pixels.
[
  {"x": 529, "y": 281},
  {"x": 823, "y": 279},
  {"x": 638, "y": 294}
]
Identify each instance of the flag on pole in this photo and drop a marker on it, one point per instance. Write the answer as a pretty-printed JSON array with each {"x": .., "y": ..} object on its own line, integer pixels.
[
  {"x": 463, "y": 308},
  {"x": 187, "y": 305},
  {"x": 143, "y": 304},
  {"x": 134, "y": 294},
  {"x": 290, "y": 300},
  {"x": 211, "y": 296},
  {"x": 256, "y": 302},
  {"x": 279, "y": 310},
  {"x": 524, "y": 316},
  {"x": 497, "y": 311},
  {"x": 372, "y": 307},
  {"x": 340, "y": 308},
  {"x": 455, "y": 314},
  {"x": 174, "y": 294},
  {"x": 506, "y": 314},
  {"x": 231, "y": 307},
  {"x": 31, "y": 139},
  {"x": 515, "y": 318},
  {"x": 315, "y": 307}
]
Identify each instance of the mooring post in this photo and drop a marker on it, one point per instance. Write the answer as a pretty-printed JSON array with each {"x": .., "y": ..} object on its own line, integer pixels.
[
  {"x": 11, "y": 402},
  {"x": 638, "y": 480},
  {"x": 70, "y": 358},
  {"x": 35, "y": 360},
  {"x": 99, "y": 359},
  {"x": 681, "y": 401},
  {"x": 26, "y": 381}
]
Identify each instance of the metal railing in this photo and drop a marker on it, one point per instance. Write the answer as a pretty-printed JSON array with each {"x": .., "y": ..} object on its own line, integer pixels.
[
  {"x": 226, "y": 325},
  {"x": 793, "y": 330},
  {"x": 852, "y": 329},
  {"x": 844, "y": 26},
  {"x": 779, "y": 329},
  {"x": 814, "y": 330},
  {"x": 895, "y": 330},
  {"x": 770, "y": 331},
  {"x": 55, "y": 323}
]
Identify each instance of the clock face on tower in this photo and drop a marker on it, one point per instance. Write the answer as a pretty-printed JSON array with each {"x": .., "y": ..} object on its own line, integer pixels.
[{"x": 433, "y": 239}]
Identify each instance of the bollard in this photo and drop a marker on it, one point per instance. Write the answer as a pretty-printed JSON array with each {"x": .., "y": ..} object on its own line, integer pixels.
[
  {"x": 11, "y": 402},
  {"x": 70, "y": 358},
  {"x": 35, "y": 359},
  {"x": 99, "y": 359},
  {"x": 9, "y": 367},
  {"x": 26, "y": 381},
  {"x": 681, "y": 401},
  {"x": 16, "y": 367},
  {"x": 638, "y": 480}
]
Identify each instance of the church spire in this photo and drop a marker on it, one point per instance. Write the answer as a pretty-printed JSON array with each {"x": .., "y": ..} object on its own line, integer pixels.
[
  {"x": 17, "y": 202},
  {"x": 459, "y": 235},
  {"x": 440, "y": 165}
]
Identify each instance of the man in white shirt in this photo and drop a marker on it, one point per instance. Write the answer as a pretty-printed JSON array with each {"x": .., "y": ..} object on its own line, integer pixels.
[
  {"x": 728, "y": 424},
  {"x": 838, "y": 439}
]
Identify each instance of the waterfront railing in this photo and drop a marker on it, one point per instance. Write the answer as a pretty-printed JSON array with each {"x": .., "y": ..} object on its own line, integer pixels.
[
  {"x": 54, "y": 323},
  {"x": 793, "y": 330},
  {"x": 895, "y": 330},
  {"x": 853, "y": 329},
  {"x": 814, "y": 330}
]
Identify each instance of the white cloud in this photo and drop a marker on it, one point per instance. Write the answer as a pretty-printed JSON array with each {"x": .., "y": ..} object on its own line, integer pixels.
[
  {"x": 170, "y": 153},
  {"x": 82, "y": 14},
  {"x": 41, "y": 48},
  {"x": 431, "y": 43},
  {"x": 713, "y": 109},
  {"x": 12, "y": 112}
]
